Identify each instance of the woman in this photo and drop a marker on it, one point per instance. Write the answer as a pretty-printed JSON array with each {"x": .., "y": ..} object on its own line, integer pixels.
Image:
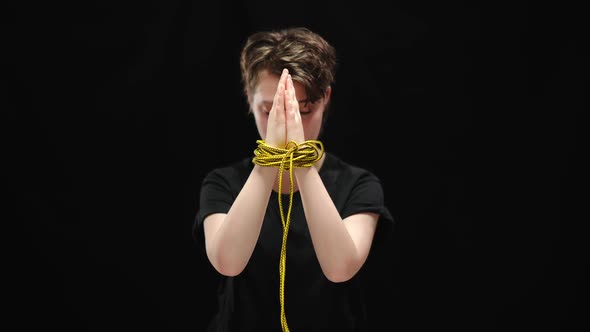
[{"x": 289, "y": 229}]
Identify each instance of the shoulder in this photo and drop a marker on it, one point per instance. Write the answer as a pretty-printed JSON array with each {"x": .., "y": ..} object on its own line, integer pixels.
[
  {"x": 353, "y": 188},
  {"x": 340, "y": 171},
  {"x": 344, "y": 180},
  {"x": 231, "y": 175},
  {"x": 233, "y": 170}
]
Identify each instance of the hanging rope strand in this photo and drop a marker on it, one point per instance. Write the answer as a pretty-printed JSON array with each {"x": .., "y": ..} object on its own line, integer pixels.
[{"x": 292, "y": 156}]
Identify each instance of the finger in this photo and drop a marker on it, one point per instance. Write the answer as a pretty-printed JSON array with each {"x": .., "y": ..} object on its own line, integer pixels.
[
  {"x": 291, "y": 104},
  {"x": 278, "y": 105},
  {"x": 277, "y": 111},
  {"x": 294, "y": 125}
]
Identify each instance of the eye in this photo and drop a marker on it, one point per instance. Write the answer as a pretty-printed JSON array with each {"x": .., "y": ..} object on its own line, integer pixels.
[{"x": 307, "y": 107}]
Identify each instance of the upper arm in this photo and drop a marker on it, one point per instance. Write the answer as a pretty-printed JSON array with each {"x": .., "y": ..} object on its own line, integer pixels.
[
  {"x": 362, "y": 227},
  {"x": 211, "y": 224}
]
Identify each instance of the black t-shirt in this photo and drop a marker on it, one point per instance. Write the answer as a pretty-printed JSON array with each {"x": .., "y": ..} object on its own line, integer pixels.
[{"x": 250, "y": 301}]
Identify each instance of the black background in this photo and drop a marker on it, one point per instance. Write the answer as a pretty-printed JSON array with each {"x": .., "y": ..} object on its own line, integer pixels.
[{"x": 470, "y": 114}]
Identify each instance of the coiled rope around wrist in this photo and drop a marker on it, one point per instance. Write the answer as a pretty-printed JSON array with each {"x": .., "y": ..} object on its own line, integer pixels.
[{"x": 292, "y": 156}]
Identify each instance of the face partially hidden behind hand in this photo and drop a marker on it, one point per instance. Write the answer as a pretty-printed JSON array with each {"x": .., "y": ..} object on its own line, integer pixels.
[{"x": 282, "y": 111}]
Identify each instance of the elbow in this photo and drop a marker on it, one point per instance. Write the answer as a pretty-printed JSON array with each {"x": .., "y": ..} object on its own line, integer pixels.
[
  {"x": 228, "y": 270},
  {"x": 342, "y": 273},
  {"x": 338, "y": 278},
  {"x": 225, "y": 266}
]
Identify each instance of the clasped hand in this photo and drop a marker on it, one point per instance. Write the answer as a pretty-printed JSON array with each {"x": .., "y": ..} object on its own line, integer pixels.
[{"x": 284, "y": 120}]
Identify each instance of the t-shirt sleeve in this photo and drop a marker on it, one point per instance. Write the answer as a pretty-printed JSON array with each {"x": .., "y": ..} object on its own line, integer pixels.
[
  {"x": 215, "y": 196},
  {"x": 367, "y": 196}
]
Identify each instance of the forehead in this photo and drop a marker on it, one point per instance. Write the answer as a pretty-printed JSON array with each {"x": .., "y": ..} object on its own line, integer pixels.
[{"x": 266, "y": 88}]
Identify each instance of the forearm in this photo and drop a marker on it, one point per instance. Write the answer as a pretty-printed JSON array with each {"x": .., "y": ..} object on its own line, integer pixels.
[
  {"x": 334, "y": 247},
  {"x": 236, "y": 237}
]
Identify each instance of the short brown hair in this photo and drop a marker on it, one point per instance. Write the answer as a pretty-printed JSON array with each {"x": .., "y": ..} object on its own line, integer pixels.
[{"x": 310, "y": 59}]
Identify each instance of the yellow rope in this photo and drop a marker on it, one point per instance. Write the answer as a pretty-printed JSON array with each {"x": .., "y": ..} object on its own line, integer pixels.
[{"x": 293, "y": 155}]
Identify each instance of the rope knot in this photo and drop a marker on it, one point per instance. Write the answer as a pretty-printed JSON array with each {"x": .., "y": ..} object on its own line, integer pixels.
[{"x": 292, "y": 146}]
